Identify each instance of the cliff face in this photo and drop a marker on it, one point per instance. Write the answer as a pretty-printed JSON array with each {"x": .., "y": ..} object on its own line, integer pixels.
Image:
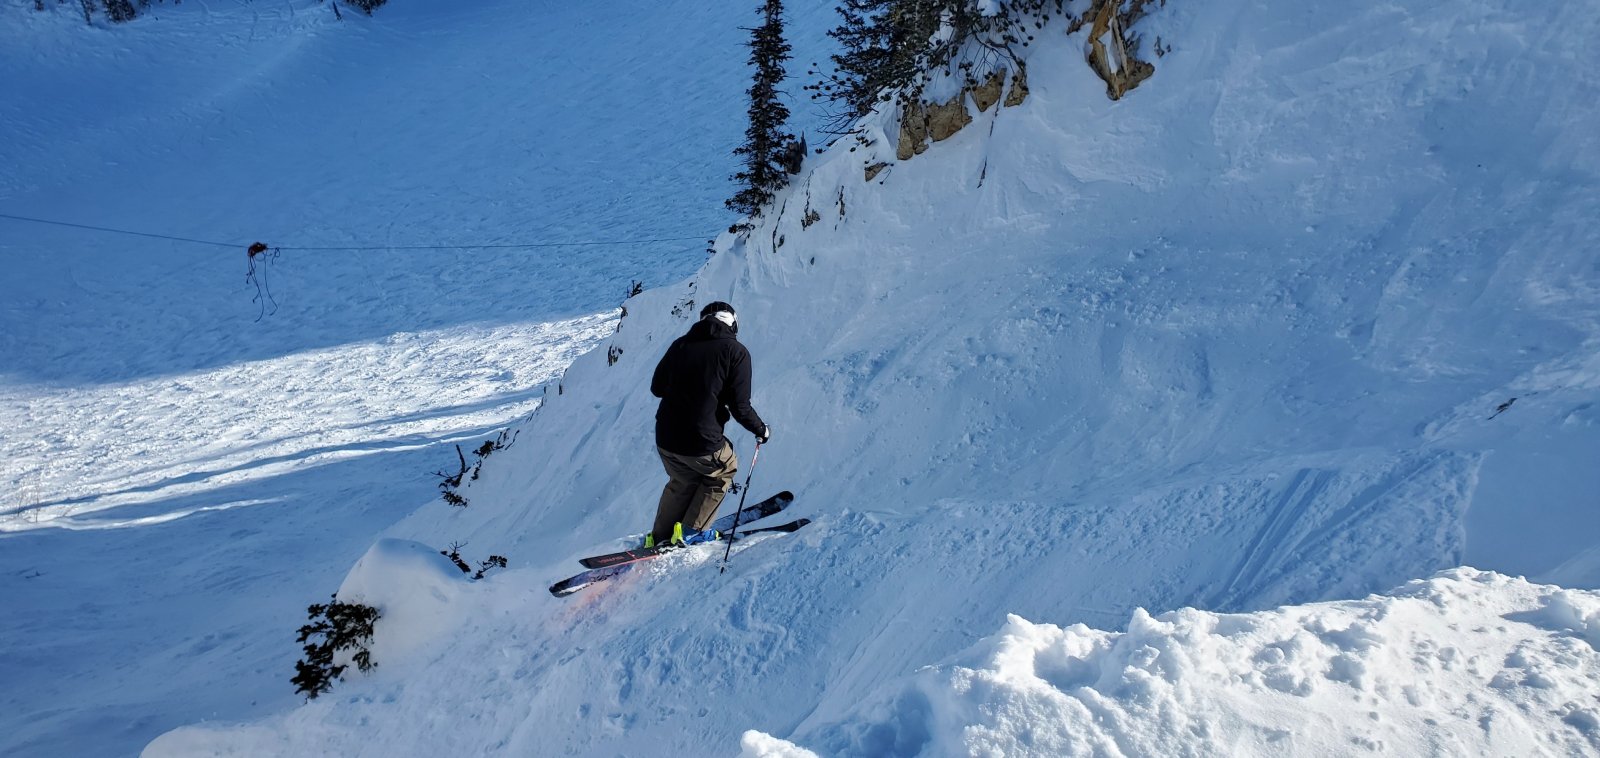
[{"x": 1112, "y": 48}]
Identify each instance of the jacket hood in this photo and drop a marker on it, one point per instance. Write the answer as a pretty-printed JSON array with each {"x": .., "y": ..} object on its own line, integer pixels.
[{"x": 711, "y": 329}]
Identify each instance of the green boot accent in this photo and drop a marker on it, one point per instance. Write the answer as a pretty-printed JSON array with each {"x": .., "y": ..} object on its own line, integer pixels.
[
  {"x": 649, "y": 540},
  {"x": 677, "y": 533}
]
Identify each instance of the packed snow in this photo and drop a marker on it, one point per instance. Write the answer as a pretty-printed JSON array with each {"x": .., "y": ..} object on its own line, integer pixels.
[{"x": 1201, "y": 398}]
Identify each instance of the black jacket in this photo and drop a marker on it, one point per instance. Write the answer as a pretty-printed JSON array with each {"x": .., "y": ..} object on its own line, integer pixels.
[{"x": 702, "y": 380}]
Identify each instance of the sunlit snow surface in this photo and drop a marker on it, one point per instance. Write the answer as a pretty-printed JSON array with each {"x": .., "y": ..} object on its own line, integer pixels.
[{"x": 142, "y": 453}]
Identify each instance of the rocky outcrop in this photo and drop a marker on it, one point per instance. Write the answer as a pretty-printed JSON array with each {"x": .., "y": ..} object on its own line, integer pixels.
[
  {"x": 947, "y": 119},
  {"x": 1108, "y": 51},
  {"x": 1019, "y": 88},
  {"x": 988, "y": 93},
  {"x": 922, "y": 122},
  {"x": 913, "y": 132}
]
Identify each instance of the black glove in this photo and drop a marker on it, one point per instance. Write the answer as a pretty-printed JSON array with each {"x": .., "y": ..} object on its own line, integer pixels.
[{"x": 766, "y": 434}]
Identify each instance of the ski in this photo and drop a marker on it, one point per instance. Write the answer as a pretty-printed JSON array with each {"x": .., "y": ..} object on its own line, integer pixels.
[
  {"x": 751, "y": 513},
  {"x": 595, "y": 576}
]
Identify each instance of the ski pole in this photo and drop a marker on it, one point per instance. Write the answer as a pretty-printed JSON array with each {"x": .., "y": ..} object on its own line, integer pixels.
[{"x": 756, "y": 456}]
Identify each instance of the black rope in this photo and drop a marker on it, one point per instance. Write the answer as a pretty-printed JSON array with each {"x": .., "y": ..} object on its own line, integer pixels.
[
  {"x": 585, "y": 243},
  {"x": 358, "y": 248},
  {"x": 495, "y": 245},
  {"x": 258, "y": 277},
  {"x": 263, "y": 287},
  {"x": 119, "y": 231}
]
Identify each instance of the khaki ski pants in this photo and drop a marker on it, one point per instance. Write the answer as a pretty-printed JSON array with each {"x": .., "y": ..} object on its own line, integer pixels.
[{"x": 695, "y": 487}]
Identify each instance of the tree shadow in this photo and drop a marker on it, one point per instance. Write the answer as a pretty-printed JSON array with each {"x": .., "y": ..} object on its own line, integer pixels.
[
  {"x": 120, "y": 634},
  {"x": 406, "y": 440}
]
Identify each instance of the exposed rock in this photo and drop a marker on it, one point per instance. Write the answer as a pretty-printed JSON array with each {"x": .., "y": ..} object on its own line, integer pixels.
[
  {"x": 1019, "y": 88},
  {"x": 1108, "y": 53},
  {"x": 874, "y": 170},
  {"x": 944, "y": 120},
  {"x": 920, "y": 122},
  {"x": 913, "y": 132},
  {"x": 988, "y": 93}
]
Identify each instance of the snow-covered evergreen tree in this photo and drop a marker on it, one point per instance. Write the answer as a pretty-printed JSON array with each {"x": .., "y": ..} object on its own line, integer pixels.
[
  {"x": 765, "y": 138},
  {"x": 888, "y": 48},
  {"x": 875, "y": 55}
]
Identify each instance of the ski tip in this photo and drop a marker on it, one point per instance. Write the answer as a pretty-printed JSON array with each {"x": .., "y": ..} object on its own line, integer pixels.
[
  {"x": 560, "y": 591},
  {"x": 784, "y": 495}
]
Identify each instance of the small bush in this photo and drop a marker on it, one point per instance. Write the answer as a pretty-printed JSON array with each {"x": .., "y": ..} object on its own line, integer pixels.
[
  {"x": 334, "y": 627},
  {"x": 454, "y": 554},
  {"x": 449, "y": 483},
  {"x": 493, "y": 561},
  {"x": 120, "y": 10},
  {"x": 365, "y": 6},
  {"x": 501, "y": 441}
]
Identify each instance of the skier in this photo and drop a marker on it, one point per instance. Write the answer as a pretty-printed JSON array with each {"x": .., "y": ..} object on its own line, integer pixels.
[{"x": 703, "y": 379}]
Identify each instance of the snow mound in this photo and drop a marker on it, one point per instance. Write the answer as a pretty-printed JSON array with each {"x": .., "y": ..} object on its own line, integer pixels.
[
  {"x": 415, "y": 587},
  {"x": 761, "y": 745},
  {"x": 1465, "y": 663}
]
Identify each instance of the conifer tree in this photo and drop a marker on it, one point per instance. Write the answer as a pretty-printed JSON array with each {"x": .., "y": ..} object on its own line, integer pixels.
[
  {"x": 765, "y": 140},
  {"x": 872, "y": 43},
  {"x": 121, "y": 10},
  {"x": 889, "y": 48},
  {"x": 882, "y": 44}
]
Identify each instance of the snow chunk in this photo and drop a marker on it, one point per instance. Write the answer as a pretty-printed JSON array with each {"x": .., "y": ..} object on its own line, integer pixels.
[
  {"x": 416, "y": 588},
  {"x": 1435, "y": 664},
  {"x": 1569, "y": 611},
  {"x": 758, "y": 745}
]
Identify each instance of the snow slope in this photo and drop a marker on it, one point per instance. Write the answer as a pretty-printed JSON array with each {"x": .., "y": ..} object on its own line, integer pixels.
[
  {"x": 178, "y": 481},
  {"x": 1235, "y": 342}
]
